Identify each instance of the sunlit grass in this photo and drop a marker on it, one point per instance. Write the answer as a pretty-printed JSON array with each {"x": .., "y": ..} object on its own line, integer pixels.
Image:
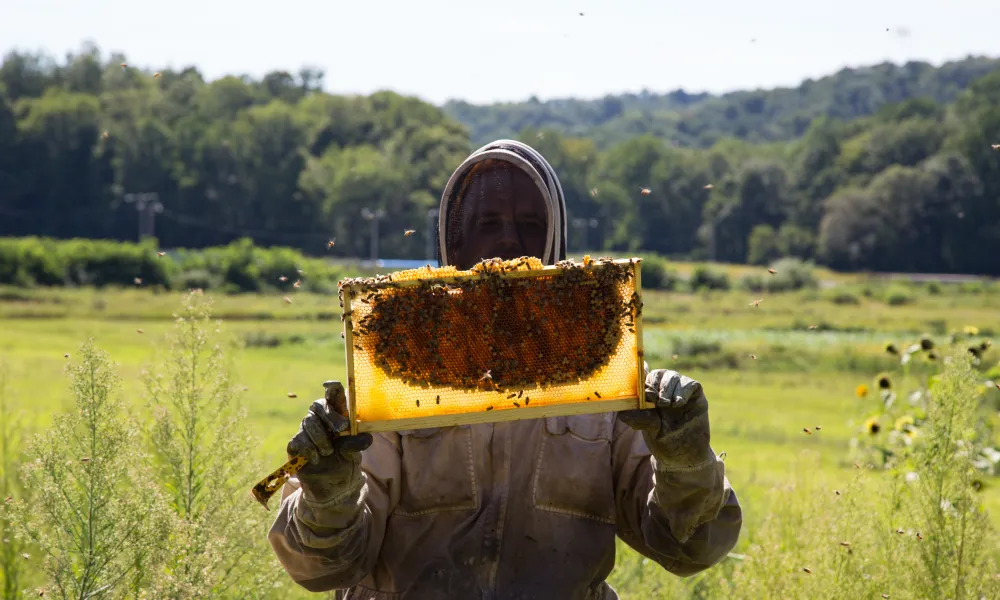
[{"x": 796, "y": 378}]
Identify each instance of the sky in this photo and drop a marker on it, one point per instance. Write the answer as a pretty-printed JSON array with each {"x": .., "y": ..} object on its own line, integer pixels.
[{"x": 511, "y": 50}]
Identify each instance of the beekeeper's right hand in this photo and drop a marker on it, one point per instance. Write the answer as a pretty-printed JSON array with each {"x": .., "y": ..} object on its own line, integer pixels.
[{"x": 334, "y": 459}]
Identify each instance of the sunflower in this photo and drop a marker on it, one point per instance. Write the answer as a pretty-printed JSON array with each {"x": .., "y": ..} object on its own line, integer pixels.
[
  {"x": 926, "y": 343},
  {"x": 861, "y": 391},
  {"x": 872, "y": 426},
  {"x": 904, "y": 423},
  {"x": 883, "y": 381}
]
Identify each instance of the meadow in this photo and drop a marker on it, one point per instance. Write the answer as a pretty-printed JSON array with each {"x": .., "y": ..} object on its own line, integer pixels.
[{"x": 792, "y": 362}]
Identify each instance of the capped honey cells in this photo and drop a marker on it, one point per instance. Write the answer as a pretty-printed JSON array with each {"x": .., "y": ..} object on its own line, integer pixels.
[
  {"x": 438, "y": 341},
  {"x": 493, "y": 332}
]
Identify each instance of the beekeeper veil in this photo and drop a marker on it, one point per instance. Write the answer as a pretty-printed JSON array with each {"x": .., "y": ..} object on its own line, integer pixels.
[{"x": 509, "y": 154}]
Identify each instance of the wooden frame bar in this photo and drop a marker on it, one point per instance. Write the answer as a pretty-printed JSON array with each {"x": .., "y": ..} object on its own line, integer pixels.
[{"x": 506, "y": 414}]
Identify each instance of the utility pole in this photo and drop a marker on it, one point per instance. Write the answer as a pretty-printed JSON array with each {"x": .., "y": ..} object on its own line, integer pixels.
[
  {"x": 582, "y": 225},
  {"x": 432, "y": 216},
  {"x": 147, "y": 204},
  {"x": 373, "y": 219}
]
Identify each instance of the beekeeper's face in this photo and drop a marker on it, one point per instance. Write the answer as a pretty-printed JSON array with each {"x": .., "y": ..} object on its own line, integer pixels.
[{"x": 502, "y": 215}]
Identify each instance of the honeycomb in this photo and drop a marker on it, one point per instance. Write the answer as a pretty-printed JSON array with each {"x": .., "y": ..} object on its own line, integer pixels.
[{"x": 503, "y": 336}]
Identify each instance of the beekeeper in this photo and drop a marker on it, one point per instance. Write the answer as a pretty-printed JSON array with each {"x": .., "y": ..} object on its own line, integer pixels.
[{"x": 522, "y": 509}]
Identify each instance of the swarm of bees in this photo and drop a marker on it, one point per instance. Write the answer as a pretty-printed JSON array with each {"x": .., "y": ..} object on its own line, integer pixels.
[{"x": 494, "y": 332}]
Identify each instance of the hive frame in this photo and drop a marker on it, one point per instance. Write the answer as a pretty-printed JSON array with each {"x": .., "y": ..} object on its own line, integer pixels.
[{"x": 527, "y": 412}]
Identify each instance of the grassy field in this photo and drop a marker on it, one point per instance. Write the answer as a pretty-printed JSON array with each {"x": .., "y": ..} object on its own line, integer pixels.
[{"x": 766, "y": 373}]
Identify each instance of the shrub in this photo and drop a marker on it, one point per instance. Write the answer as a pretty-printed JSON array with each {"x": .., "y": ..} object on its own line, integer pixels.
[
  {"x": 844, "y": 297},
  {"x": 708, "y": 279},
  {"x": 656, "y": 275},
  {"x": 238, "y": 267},
  {"x": 897, "y": 296}
]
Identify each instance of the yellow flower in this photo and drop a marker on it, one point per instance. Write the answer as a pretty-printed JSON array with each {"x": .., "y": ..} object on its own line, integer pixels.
[
  {"x": 971, "y": 330},
  {"x": 872, "y": 426},
  {"x": 861, "y": 391},
  {"x": 903, "y": 422},
  {"x": 884, "y": 383},
  {"x": 912, "y": 433}
]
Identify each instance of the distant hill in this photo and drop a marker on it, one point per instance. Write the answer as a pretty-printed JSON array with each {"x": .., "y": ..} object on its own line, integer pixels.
[{"x": 701, "y": 119}]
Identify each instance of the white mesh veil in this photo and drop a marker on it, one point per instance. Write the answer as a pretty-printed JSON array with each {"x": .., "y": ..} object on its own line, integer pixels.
[{"x": 528, "y": 160}]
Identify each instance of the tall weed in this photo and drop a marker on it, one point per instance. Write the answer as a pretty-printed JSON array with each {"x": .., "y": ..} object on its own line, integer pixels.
[
  {"x": 201, "y": 447},
  {"x": 99, "y": 519}
]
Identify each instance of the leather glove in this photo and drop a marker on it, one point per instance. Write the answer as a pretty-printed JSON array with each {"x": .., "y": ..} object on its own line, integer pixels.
[
  {"x": 676, "y": 431},
  {"x": 334, "y": 460}
]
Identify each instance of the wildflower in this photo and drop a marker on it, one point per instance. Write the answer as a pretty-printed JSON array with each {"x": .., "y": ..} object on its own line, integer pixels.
[
  {"x": 891, "y": 348},
  {"x": 926, "y": 343},
  {"x": 884, "y": 383},
  {"x": 971, "y": 330},
  {"x": 861, "y": 391},
  {"x": 872, "y": 426},
  {"x": 904, "y": 423}
]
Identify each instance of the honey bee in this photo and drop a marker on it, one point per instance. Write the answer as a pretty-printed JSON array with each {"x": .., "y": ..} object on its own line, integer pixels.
[
  {"x": 298, "y": 283},
  {"x": 157, "y": 74},
  {"x": 292, "y": 395},
  {"x": 282, "y": 279},
  {"x": 409, "y": 232},
  {"x": 996, "y": 146},
  {"x": 772, "y": 271},
  {"x": 753, "y": 356},
  {"x": 919, "y": 537},
  {"x": 806, "y": 431},
  {"x": 438, "y": 401},
  {"x": 487, "y": 376},
  {"x": 489, "y": 408},
  {"x": 900, "y": 531},
  {"x": 331, "y": 243},
  {"x": 806, "y": 569},
  {"x": 519, "y": 393},
  {"x": 594, "y": 193},
  {"x": 511, "y": 396},
  {"x": 756, "y": 303},
  {"x": 517, "y": 405},
  {"x": 138, "y": 280},
  {"x": 160, "y": 253},
  {"x": 596, "y": 394},
  {"x": 139, "y": 331},
  {"x": 418, "y": 403},
  {"x": 645, "y": 191},
  {"x": 85, "y": 460},
  {"x": 105, "y": 135},
  {"x": 845, "y": 544},
  {"x": 66, "y": 355},
  {"x": 287, "y": 300},
  {"x": 124, "y": 65},
  {"x": 526, "y": 400},
  {"x": 813, "y": 326},
  {"x": 886, "y": 596},
  {"x": 836, "y": 492}
]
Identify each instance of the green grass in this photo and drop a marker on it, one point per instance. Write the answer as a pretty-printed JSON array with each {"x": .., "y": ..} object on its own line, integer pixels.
[{"x": 759, "y": 406}]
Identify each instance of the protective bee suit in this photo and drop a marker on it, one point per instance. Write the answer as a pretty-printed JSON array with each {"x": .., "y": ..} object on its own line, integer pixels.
[{"x": 519, "y": 510}]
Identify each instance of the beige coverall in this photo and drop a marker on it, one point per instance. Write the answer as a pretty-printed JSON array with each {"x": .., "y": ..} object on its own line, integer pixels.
[{"x": 520, "y": 510}]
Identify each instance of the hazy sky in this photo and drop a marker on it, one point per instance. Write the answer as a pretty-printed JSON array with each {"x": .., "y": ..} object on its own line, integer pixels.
[{"x": 509, "y": 50}]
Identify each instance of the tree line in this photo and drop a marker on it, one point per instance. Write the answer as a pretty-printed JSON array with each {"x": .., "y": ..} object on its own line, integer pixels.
[{"x": 911, "y": 184}]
